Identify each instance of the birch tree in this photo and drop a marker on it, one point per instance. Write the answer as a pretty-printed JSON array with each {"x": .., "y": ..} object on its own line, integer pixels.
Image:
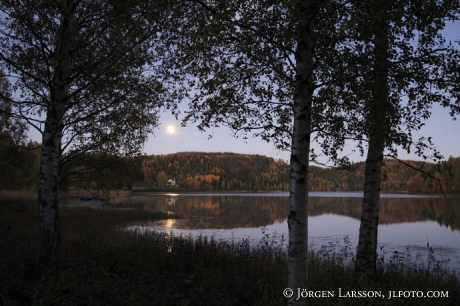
[
  {"x": 256, "y": 71},
  {"x": 86, "y": 75},
  {"x": 400, "y": 65}
]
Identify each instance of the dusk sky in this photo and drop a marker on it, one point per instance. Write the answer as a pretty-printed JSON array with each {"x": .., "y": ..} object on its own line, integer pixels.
[
  {"x": 440, "y": 126},
  {"x": 444, "y": 131}
]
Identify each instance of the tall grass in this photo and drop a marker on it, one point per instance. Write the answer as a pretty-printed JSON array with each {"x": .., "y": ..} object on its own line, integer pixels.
[
  {"x": 17, "y": 201},
  {"x": 104, "y": 264}
]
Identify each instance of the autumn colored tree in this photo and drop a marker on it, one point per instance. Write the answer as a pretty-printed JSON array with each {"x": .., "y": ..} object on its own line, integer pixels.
[{"x": 162, "y": 177}]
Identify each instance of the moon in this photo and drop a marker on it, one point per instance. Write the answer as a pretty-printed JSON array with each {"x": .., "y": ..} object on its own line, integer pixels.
[{"x": 171, "y": 129}]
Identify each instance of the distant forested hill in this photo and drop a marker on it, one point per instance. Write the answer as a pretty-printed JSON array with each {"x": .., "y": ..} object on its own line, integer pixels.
[
  {"x": 200, "y": 171},
  {"x": 218, "y": 171},
  {"x": 396, "y": 176}
]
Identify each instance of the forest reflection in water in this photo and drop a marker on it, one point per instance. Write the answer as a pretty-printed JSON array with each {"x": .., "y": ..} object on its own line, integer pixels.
[{"x": 405, "y": 221}]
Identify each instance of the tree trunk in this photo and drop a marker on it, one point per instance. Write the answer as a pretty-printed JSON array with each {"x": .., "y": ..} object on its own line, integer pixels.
[
  {"x": 50, "y": 166},
  {"x": 298, "y": 209},
  {"x": 48, "y": 191},
  {"x": 366, "y": 257},
  {"x": 379, "y": 124}
]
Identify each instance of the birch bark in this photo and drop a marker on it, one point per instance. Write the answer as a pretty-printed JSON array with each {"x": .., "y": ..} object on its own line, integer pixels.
[
  {"x": 49, "y": 183},
  {"x": 298, "y": 209}
]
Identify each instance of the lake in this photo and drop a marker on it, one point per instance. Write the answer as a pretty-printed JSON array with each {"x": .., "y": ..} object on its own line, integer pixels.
[{"x": 407, "y": 222}]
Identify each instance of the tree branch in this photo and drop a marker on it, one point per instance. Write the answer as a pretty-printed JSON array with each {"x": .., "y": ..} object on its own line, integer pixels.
[{"x": 419, "y": 170}]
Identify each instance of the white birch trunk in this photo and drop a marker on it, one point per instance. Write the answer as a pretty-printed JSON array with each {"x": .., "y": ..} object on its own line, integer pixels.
[
  {"x": 298, "y": 208},
  {"x": 50, "y": 167},
  {"x": 48, "y": 191},
  {"x": 366, "y": 257}
]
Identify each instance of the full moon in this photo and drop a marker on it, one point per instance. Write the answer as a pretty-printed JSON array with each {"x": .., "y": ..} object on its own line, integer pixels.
[{"x": 171, "y": 129}]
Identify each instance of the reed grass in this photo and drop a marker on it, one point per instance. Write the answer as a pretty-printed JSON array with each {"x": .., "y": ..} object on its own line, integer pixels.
[
  {"x": 104, "y": 264},
  {"x": 17, "y": 201}
]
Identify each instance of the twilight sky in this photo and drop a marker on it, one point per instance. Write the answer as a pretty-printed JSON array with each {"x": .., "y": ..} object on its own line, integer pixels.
[{"x": 440, "y": 126}]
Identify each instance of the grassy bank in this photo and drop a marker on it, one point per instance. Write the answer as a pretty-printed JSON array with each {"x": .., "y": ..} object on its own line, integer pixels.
[{"x": 105, "y": 265}]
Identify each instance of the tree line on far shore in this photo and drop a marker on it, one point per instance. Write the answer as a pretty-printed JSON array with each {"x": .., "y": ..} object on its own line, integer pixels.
[
  {"x": 229, "y": 171},
  {"x": 207, "y": 171}
]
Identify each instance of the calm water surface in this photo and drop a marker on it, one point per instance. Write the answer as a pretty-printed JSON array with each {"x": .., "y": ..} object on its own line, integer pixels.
[{"x": 407, "y": 222}]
